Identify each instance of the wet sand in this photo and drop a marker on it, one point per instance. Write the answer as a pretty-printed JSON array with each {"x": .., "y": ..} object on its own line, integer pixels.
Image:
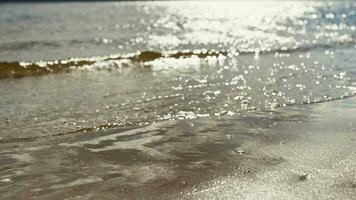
[
  {"x": 318, "y": 160},
  {"x": 297, "y": 152}
]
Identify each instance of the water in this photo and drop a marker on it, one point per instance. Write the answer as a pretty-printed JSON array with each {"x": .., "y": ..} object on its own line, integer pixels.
[{"x": 87, "y": 69}]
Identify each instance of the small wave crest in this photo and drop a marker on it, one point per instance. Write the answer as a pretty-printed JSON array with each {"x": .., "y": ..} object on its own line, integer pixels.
[{"x": 23, "y": 69}]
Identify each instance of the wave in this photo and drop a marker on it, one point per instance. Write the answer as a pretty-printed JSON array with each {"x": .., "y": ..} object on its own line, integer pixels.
[{"x": 23, "y": 69}]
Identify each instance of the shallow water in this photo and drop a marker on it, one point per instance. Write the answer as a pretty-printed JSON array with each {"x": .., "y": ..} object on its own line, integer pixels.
[
  {"x": 169, "y": 88},
  {"x": 151, "y": 86}
]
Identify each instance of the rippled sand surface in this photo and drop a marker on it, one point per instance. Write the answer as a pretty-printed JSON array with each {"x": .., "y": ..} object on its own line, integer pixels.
[{"x": 177, "y": 100}]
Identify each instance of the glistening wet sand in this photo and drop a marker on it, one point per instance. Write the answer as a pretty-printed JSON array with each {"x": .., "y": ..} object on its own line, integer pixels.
[
  {"x": 318, "y": 163},
  {"x": 294, "y": 152}
]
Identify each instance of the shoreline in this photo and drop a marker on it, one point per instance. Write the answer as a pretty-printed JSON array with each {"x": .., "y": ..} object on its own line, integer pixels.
[{"x": 178, "y": 100}]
